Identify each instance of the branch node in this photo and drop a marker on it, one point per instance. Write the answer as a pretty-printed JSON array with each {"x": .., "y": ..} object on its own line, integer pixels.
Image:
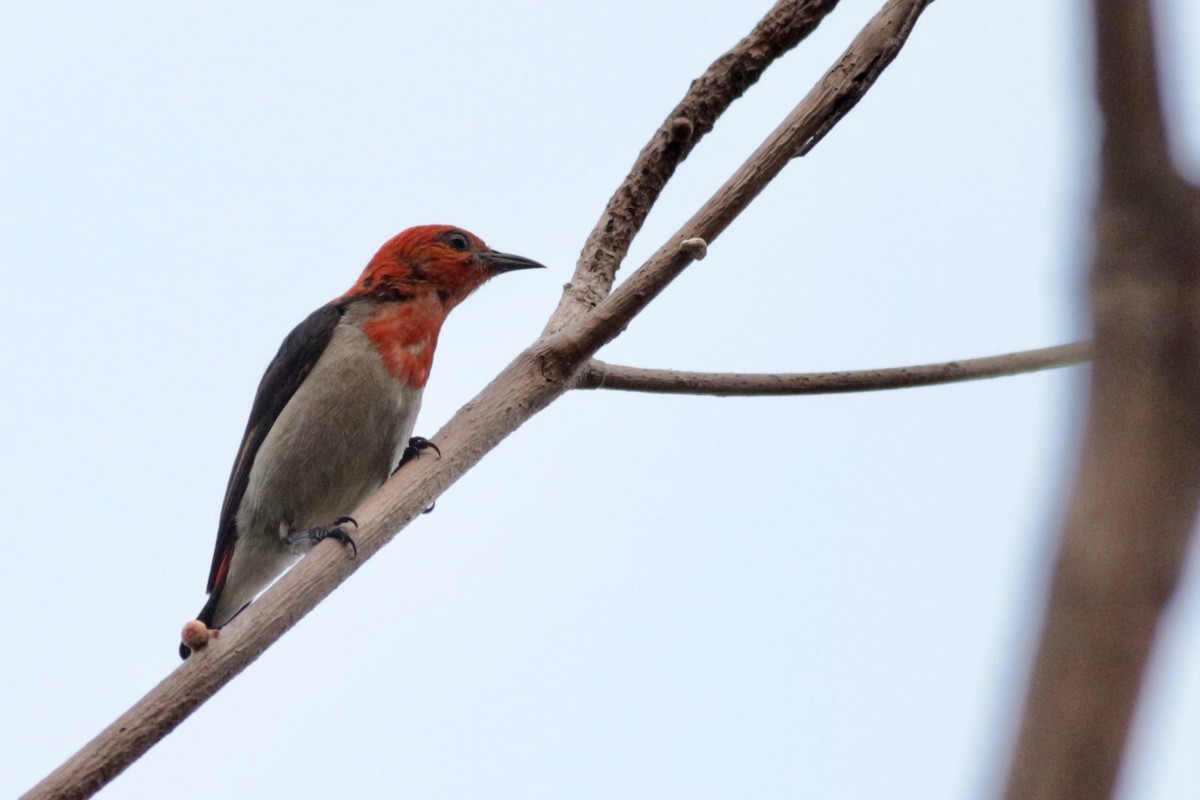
[
  {"x": 695, "y": 247},
  {"x": 679, "y": 130}
]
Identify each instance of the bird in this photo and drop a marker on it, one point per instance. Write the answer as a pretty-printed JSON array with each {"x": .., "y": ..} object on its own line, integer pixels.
[{"x": 334, "y": 413}]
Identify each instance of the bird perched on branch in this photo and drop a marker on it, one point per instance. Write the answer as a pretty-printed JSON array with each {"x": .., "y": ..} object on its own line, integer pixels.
[{"x": 334, "y": 413}]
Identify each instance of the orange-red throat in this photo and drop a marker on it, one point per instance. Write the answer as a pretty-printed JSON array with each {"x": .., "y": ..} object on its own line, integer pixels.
[{"x": 406, "y": 334}]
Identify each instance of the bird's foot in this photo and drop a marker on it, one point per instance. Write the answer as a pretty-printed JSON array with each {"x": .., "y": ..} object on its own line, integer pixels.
[
  {"x": 415, "y": 445},
  {"x": 336, "y": 531}
]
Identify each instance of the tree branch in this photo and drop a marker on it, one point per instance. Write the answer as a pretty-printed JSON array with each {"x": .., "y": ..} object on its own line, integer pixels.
[
  {"x": 532, "y": 381},
  {"x": 787, "y": 24},
  {"x": 872, "y": 50},
  {"x": 1135, "y": 499},
  {"x": 600, "y": 375}
]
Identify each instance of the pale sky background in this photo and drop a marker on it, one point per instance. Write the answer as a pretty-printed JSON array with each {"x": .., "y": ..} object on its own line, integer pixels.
[{"x": 634, "y": 596}]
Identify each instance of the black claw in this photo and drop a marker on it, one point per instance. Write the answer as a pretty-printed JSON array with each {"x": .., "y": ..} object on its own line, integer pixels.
[
  {"x": 421, "y": 443},
  {"x": 339, "y": 534},
  {"x": 431, "y": 505},
  {"x": 415, "y": 445},
  {"x": 335, "y": 532}
]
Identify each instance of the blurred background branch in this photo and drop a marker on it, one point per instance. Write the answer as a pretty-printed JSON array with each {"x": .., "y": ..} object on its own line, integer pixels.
[{"x": 1133, "y": 507}]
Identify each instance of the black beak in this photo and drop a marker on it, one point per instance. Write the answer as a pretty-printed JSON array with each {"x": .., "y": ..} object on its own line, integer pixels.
[{"x": 504, "y": 262}]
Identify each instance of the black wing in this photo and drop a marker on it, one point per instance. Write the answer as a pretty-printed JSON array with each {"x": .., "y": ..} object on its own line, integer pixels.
[{"x": 295, "y": 359}]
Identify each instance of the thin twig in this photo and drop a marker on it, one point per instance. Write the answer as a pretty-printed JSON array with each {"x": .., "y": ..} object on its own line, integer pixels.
[
  {"x": 599, "y": 375},
  {"x": 784, "y": 26},
  {"x": 1135, "y": 500},
  {"x": 532, "y": 381}
]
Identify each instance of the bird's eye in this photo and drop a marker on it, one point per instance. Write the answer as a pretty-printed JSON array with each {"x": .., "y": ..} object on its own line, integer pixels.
[{"x": 459, "y": 242}]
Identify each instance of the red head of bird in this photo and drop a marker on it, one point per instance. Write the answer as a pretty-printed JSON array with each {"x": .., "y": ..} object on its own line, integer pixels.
[
  {"x": 433, "y": 259},
  {"x": 417, "y": 277}
]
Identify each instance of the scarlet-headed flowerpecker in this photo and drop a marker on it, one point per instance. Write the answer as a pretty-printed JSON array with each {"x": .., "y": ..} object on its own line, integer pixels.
[{"x": 335, "y": 411}]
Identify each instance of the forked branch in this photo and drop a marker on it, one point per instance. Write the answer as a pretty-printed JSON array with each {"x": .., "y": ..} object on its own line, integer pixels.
[
  {"x": 843, "y": 85},
  {"x": 727, "y": 79}
]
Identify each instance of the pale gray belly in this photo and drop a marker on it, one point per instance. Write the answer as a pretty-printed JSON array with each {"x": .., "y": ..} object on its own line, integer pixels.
[{"x": 335, "y": 442}]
